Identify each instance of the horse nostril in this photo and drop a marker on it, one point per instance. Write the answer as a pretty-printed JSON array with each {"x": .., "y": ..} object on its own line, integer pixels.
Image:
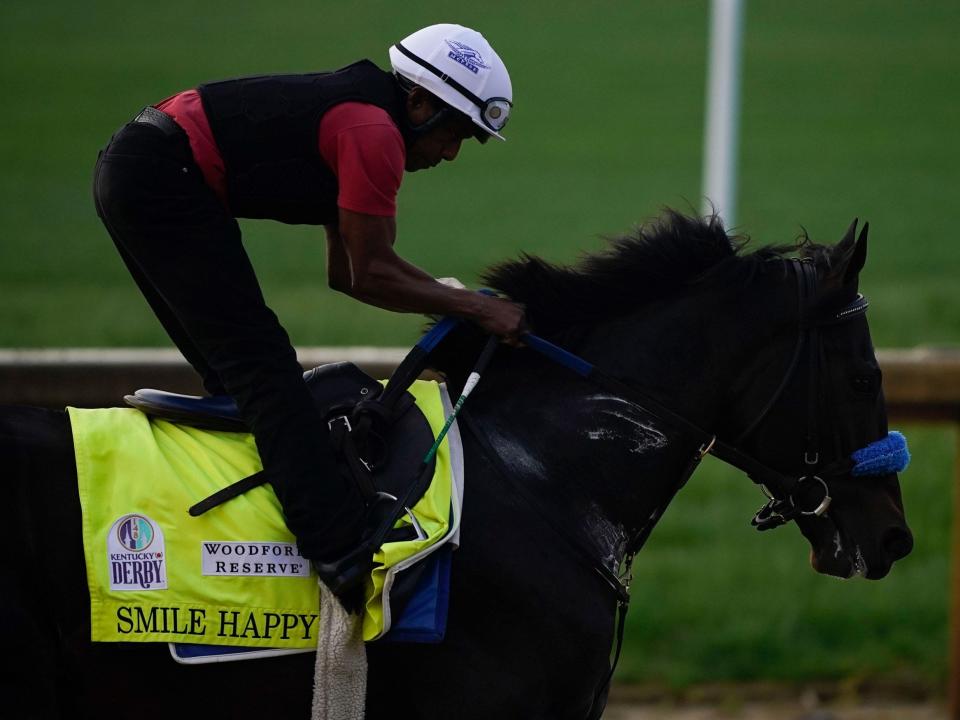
[{"x": 897, "y": 543}]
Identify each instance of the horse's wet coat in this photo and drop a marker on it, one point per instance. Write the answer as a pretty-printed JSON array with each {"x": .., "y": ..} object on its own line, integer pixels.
[
  {"x": 610, "y": 538},
  {"x": 521, "y": 459},
  {"x": 530, "y": 625}
]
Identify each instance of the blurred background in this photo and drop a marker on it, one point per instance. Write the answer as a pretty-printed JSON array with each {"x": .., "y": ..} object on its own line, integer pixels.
[{"x": 848, "y": 110}]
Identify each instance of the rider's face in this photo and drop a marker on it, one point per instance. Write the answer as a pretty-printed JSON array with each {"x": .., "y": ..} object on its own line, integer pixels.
[{"x": 439, "y": 143}]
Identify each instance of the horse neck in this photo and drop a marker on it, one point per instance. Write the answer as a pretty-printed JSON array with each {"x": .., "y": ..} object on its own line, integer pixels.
[{"x": 599, "y": 458}]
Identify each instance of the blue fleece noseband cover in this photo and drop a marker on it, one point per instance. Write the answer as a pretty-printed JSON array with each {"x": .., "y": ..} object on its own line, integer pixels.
[{"x": 886, "y": 455}]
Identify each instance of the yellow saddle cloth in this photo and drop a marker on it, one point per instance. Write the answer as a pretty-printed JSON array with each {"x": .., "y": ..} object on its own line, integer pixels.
[{"x": 232, "y": 576}]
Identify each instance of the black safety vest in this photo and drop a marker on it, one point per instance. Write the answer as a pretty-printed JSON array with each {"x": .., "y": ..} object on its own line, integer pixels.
[{"x": 266, "y": 128}]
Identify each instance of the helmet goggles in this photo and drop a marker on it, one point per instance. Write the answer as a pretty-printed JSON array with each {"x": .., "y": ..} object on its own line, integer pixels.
[{"x": 494, "y": 111}]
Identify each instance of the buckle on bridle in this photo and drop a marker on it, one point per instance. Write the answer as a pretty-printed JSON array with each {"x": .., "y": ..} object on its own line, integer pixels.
[{"x": 332, "y": 422}]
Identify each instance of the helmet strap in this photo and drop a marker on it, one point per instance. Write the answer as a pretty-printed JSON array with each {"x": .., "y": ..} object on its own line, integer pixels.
[
  {"x": 413, "y": 132},
  {"x": 433, "y": 121}
]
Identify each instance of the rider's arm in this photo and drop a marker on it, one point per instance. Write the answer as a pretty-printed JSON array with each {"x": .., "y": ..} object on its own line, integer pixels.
[
  {"x": 363, "y": 264},
  {"x": 364, "y": 148}
]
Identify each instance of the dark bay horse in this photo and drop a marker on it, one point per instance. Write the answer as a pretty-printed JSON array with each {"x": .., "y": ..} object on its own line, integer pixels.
[{"x": 565, "y": 478}]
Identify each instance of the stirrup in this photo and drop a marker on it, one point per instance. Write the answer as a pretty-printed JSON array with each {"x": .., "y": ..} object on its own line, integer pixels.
[{"x": 347, "y": 573}]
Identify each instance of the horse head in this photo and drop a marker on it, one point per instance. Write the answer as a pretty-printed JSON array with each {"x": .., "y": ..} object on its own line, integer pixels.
[{"x": 828, "y": 425}]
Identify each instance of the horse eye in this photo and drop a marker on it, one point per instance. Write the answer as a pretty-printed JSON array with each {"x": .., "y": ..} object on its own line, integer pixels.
[{"x": 864, "y": 384}]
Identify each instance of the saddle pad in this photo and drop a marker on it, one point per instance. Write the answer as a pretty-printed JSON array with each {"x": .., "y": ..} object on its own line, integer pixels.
[
  {"x": 232, "y": 576},
  {"x": 422, "y": 594}
]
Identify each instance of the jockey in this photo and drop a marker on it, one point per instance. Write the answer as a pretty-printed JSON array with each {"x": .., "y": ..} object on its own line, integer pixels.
[{"x": 322, "y": 149}]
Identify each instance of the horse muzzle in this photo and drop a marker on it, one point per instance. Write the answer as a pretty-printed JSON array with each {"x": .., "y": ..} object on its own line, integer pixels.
[{"x": 856, "y": 541}]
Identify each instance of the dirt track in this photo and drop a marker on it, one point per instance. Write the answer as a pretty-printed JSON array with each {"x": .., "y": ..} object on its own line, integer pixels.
[{"x": 779, "y": 710}]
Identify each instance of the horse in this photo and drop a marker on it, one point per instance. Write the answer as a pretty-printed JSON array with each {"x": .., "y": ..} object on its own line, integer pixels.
[{"x": 704, "y": 345}]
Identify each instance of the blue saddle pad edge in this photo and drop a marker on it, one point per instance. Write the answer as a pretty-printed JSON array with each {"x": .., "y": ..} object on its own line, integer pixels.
[{"x": 423, "y": 620}]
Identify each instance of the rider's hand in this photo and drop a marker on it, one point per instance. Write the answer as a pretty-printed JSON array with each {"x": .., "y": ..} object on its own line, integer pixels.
[{"x": 503, "y": 318}]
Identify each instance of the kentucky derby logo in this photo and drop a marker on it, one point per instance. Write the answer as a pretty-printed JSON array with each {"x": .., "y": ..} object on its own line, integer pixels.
[
  {"x": 136, "y": 555},
  {"x": 135, "y": 533},
  {"x": 466, "y": 56}
]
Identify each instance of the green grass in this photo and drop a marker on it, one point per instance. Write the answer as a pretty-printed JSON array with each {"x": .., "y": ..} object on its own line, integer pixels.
[{"x": 849, "y": 109}]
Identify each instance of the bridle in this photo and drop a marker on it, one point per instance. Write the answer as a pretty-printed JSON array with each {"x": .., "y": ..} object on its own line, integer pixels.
[{"x": 784, "y": 503}]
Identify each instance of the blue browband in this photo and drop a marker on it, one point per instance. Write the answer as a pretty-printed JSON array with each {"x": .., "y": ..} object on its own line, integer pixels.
[{"x": 886, "y": 455}]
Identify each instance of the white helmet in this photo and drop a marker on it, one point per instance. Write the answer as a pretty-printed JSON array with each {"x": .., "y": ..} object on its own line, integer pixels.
[{"x": 458, "y": 66}]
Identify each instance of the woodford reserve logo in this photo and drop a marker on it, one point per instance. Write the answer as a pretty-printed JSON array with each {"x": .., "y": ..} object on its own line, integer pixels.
[
  {"x": 136, "y": 554},
  {"x": 252, "y": 559}
]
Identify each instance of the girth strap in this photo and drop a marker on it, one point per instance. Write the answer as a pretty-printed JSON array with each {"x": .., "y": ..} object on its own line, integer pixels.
[
  {"x": 600, "y": 696},
  {"x": 346, "y": 451}
]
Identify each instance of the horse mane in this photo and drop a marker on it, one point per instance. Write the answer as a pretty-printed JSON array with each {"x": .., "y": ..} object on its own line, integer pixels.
[{"x": 655, "y": 260}]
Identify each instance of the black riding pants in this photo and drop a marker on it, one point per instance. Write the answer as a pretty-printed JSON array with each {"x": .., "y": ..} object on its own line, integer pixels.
[{"x": 185, "y": 253}]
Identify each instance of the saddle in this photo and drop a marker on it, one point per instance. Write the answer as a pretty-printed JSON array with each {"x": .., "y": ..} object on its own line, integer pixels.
[{"x": 380, "y": 438}]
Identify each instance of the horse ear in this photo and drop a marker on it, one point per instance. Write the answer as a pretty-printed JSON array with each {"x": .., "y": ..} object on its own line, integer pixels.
[
  {"x": 850, "y": 254},
  {"x": 846, "y": 243},
  {"x": 859, "y": 257}
]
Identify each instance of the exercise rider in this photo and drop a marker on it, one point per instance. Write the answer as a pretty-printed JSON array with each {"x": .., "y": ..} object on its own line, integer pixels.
[{"x": 322, "y": 149}]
